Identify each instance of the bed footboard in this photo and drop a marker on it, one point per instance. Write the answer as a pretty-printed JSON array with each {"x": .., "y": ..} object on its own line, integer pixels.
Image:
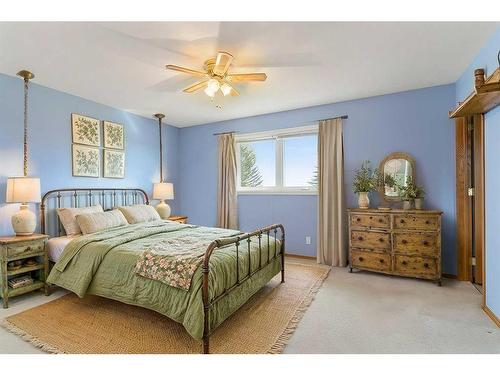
[{"x": 241, "y": 275}]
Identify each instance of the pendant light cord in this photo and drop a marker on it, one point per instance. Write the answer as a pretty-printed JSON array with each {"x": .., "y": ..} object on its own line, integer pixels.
[
  {"x": 161, "y": 151},
  {"x": 26, "y": 80}
]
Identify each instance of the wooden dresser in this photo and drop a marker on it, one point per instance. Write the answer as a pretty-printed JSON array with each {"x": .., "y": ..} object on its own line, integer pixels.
[{"x": 396, "y": 242}]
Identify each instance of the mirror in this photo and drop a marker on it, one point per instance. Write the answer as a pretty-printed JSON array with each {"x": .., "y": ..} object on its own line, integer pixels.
[{"x": 396, "y": 167}]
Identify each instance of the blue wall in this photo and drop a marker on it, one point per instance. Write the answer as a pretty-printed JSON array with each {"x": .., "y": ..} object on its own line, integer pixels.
[
  {"x": 50, "y": 143},
  {"x": 415, "y": 122},
  {"x": 487, "y": 58}
]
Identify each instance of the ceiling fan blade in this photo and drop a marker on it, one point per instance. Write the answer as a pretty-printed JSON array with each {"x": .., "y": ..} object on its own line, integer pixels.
[
  {"x": 246, "y": 77},
  {"x": 193, "y": 72},
  {"x": 234, "y": 92},
  {"x": 196, "y": 86},
  {"x": 223, "y": 61}
]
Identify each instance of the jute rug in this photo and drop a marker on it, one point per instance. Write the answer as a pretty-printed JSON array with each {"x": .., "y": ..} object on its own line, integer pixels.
[{"x": 95, "y": 325}]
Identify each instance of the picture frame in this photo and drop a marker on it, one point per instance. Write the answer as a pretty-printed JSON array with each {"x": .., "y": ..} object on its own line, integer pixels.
[
  {"x": 114, "y": 163},
  {"x": 86, "y": 161},
  {"x": 85, "y": 130},
  {"x": 114, "y": 135}
]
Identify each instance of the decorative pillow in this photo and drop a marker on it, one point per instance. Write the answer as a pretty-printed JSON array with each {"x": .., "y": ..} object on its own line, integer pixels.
[
  {"x": 96, "y": 222},
  {"x": 139, "y": 213},
  {"x": 68, "y": 217}
]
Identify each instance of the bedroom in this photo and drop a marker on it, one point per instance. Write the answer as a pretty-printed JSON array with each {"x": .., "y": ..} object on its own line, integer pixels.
[{"x": 203, "y": 187}]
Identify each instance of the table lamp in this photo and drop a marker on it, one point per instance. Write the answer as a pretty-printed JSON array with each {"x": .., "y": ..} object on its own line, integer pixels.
[{"x": 23, "y": 190}]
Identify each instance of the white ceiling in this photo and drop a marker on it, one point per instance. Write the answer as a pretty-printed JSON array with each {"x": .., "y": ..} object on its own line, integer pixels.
[{"x": 123, "y": 64}]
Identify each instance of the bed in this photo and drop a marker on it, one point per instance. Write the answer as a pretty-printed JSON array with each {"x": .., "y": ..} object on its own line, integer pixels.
[{"x": 200, "y": 292}]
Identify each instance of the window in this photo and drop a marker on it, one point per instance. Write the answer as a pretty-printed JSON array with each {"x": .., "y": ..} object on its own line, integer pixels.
[{"x": 281, "y": 162}]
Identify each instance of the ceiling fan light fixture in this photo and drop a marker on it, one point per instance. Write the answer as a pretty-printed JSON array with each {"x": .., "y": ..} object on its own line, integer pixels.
[
  {"x": 210, "y": 92},
  {"x": 213, "y": 85},
  {"x": 226, "y": 89}
]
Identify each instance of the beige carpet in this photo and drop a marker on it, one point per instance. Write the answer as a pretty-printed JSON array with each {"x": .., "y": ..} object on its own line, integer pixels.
[{"x": 102, "y": 326}]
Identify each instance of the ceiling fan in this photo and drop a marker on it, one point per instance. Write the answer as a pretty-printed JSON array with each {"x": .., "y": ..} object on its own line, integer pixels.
[{"x": 216, "y": 76}]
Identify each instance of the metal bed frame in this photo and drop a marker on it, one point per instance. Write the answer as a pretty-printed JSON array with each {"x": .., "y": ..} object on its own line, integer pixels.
[{"x": 110, "y": 197}]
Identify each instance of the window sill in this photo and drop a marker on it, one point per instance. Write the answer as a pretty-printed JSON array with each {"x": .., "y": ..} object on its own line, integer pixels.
[{"x": 277, "y": 192}]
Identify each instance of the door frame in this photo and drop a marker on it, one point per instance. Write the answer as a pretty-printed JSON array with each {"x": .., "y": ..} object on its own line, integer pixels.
[{"x": 470, "y": 233}]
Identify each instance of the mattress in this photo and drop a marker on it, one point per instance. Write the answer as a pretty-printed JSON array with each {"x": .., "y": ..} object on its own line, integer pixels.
[{"x": 57, "y": 245}]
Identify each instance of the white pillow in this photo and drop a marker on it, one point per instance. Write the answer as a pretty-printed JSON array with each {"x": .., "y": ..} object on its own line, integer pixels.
[
  {"x": 139, "y": 213},
  {"x": 96, "y": 222},
  {"x": 68, "y": 217}
]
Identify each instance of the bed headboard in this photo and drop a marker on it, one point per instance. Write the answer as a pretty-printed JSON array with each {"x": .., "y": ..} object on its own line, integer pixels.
[{"x": 79, "y": 197}]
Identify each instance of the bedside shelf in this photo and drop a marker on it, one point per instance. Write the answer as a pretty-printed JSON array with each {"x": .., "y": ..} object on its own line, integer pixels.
[
  {"x": 25, "y": 269},
  {"x": 37, "y": 284}
]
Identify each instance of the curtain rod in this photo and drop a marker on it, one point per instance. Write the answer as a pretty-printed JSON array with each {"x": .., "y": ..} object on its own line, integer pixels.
[{"x": 343, "y": 117}]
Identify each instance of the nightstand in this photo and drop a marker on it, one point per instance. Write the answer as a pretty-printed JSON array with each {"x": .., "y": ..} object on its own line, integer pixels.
[
  {"x": 179, "y": 219},
  {"x": 20, "y": 249}
]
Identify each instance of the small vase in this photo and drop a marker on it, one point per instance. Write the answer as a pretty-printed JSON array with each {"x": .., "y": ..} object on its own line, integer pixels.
[
  {"x": 363, "y": 200},
  {"x": 419, "y": 203},
  {"x": 407, "y": 205}
]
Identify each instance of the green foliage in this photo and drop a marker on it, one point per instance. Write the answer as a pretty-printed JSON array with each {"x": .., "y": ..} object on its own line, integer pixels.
[
  {"x": 365, "y": 179},
  {"x": 313, "y": 182},
  {"x": 389, "y": 180},
  {"x": 250, "y": 174},
  {"x": 410, "y": 191},
  {"x": 419, "y": 191}
]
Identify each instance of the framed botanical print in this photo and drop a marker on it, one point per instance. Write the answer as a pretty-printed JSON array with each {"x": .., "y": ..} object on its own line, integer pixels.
[
  {"x": 85, "y": 130},
  {"x": 86, "y": 161},
  {"x": 114, "y": 164},
  {"x": 114, "y": 135}
]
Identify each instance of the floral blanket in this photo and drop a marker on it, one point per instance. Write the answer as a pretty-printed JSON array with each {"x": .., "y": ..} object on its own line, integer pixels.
[{"x": 174, "y": 260}]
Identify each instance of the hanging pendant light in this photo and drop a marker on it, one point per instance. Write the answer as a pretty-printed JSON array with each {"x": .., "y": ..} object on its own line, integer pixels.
[
  {"x": 162, "y": 190},
  {"x": 24, "y": 189}
]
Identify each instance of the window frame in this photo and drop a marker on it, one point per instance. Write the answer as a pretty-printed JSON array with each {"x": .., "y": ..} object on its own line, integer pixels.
[{"x": 278, "y": 135}]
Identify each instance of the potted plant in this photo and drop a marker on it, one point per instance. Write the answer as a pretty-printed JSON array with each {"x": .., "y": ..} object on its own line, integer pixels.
[
  {"x": 365, "y": 181},
  {"x": 407, "y": 193},
  {"x": 419, "y": 197}
]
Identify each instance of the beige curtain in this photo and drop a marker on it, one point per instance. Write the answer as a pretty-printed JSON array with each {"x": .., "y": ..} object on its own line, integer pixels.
[
  {"x": 227, "y": 211},
  {"x": 331, "y": 249}
]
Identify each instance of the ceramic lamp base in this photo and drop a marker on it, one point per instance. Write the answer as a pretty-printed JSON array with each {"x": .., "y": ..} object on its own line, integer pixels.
[
  {"x": 163, "y": 210},
  {"x": 24, "y": 221}
]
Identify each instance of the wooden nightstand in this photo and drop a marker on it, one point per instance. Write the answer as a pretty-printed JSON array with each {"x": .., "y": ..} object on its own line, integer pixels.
[
  {"x": 22, "y": 248},
  {"x": 179, "y": 219}
]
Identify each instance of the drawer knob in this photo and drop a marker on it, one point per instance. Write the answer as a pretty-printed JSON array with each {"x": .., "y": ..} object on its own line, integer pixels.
[
  {"x": 381, "y": 260},
  {"x": 360, "y": 238},
  {"x": 358, "y": 219},
  {"x": 402, "y": 221},
  {"x": 427, "y": 222},
  {"x": 361, "y": 259},
  {"x": 381, "y": 239},
  {"x": 380, "y": 220},
  {"x": 426, "y": 243},
  {"x": 404, "y": 262},
  {"x": 404, "y": 242},
  {"x": 426, "y": 265}
]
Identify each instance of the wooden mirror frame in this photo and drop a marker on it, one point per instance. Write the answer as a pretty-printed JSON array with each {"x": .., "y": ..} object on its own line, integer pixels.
[{"x": 395, "y": 155}]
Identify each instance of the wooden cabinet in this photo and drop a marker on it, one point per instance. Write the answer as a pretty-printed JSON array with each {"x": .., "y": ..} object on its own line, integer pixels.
[
  {"x": 19, "y": 250},
  {"x": 396, "y": 242}
]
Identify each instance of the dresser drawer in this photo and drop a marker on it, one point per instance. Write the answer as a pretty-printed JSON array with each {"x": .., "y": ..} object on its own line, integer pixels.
[
  {"x": 22, "y": 248},
  {"x": 373, "y": 261},
  {"x": 373, "y": 221},
  {"x": 370, "y": 240},
  {"x": 416, "y": 266},
  {"x": 420, "y": 222},
  {"x": 425, "y": 244}
]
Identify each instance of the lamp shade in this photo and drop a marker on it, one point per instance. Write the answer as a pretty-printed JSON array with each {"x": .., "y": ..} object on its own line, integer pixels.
[
  {"x": 163, "y": 190},
  {"x": 23, "y": 190}
]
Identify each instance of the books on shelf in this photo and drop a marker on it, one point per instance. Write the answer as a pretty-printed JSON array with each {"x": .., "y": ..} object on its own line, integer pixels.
[{"x": 18, "y": 282}]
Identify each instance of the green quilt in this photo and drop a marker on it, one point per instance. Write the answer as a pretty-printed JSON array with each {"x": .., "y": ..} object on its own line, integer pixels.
[{"x": 108, "y": 264}]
